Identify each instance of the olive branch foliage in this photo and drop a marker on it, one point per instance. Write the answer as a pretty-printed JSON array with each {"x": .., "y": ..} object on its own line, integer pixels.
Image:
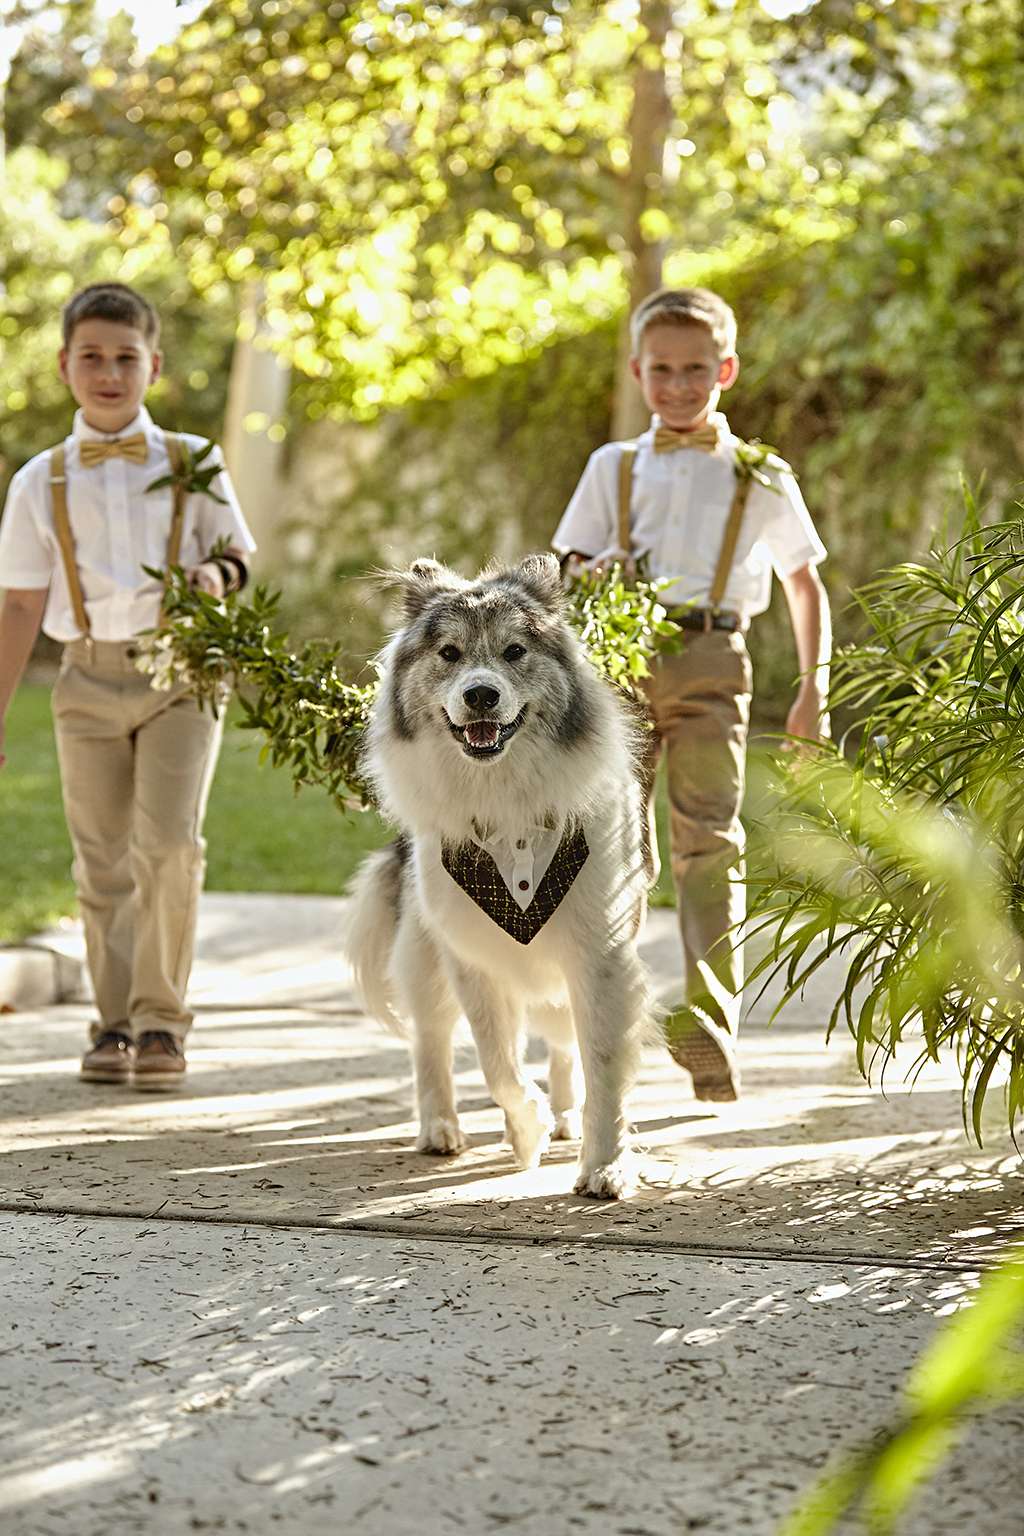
[{"x": 312, "y": 719}]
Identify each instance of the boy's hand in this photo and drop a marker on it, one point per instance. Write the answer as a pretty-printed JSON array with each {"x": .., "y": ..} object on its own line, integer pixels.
[
  {"x": 208, "y": 577},
  {"x": 609, "y": 557},
  {"x": 808, "y": 717}
]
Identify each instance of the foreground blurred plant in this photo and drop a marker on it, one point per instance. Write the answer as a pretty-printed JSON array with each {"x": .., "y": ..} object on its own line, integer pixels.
[
  {"x": 975, "y": 1362},
  {"x": 907, "y": 860},
  {"x": 312, "y": 720}
]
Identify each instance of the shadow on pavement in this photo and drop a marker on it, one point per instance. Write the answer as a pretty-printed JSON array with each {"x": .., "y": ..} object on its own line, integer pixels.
[{"x": 294, "y": 1120}]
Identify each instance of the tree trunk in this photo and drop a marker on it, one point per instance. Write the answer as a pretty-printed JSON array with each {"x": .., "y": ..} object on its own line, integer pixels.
[
  {"x": 648, "y": 126},
  {"x": 257, "y": 400}
]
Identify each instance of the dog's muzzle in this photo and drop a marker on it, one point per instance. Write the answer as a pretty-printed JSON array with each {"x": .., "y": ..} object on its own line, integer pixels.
[{"x": 484, "y": 738}]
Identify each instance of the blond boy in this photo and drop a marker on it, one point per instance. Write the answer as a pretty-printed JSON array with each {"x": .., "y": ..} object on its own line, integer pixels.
[
  {"x": 80, "y": 524},
  {"x": 714, "y": 517}
]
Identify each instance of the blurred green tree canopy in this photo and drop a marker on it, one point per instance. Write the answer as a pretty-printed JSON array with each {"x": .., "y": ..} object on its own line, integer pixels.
[
  {"x": 432, "y": 189},
  {"x": 44, "y": 256}
]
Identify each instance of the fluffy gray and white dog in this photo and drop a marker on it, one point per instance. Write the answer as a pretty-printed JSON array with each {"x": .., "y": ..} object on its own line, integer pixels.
[{"x": 516, "y": 889}]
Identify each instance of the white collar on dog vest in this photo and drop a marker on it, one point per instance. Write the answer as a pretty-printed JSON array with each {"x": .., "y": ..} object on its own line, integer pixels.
[{"x": 522, "y": 862}]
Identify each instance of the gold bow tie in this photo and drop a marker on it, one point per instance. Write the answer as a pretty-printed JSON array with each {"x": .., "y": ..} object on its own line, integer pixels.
[
  {"x": 666, "y": 441},
  {"x": 95, "y": 450}
]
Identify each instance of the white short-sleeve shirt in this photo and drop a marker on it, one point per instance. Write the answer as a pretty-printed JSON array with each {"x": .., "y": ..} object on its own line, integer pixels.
[
  {"x": 680, "y": 505},
  {"x": 118, "y": 527}
]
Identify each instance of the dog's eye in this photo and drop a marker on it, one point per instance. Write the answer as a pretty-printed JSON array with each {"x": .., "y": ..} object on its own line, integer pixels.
[
  {"x": 513, "y": 652},
  {"x": 449, "y": 653}
]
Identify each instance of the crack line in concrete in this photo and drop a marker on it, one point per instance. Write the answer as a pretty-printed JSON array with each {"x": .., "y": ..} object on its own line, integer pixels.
[{"x": 411, "y": 1228}]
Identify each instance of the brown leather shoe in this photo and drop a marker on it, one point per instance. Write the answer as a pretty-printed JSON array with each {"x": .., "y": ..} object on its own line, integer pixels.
[
  {"x": 159, "y": 1061},
  {"x": 707, "y": 1052},
  {"x": 110, "y": 1058}
]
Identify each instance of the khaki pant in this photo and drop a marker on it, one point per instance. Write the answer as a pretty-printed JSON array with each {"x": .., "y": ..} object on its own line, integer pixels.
[
  {"x": 136, "y": 766},
  {"x": 700, "y": 702}
]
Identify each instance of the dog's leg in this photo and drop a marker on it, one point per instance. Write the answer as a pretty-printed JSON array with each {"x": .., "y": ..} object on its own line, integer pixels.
[
  {"x": 427, "y": 1000},
  {"x": 565, "y": 1070},
  {"x": 565, "y": 1088},
  {"x": 609, "y": 1007},
  {"x": 497, "y": 1027}
]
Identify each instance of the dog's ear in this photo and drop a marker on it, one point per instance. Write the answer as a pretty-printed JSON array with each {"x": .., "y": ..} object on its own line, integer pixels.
[
  {"x": 419, "y": 584},
  {"x": 541, "y": 577}
]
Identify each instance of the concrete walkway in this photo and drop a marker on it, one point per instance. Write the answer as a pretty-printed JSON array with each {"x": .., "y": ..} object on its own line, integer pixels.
[{"x": 250, "y": 1306}]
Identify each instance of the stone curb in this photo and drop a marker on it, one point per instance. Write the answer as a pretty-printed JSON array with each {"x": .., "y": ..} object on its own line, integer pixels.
[{"x": 34, "y": 976}]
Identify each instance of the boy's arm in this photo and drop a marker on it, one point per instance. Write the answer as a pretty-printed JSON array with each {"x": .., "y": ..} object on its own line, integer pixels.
[
  {"x": 586, "y": 525},
  {"x": 223, "y": 531},
  {"x": 20, "y": 620},
  {"x": 811, "y": 620}
]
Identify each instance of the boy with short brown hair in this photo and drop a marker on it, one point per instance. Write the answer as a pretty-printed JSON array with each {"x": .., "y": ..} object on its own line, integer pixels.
[
  {"x": 714, "y": 517},
  {"x": 82, "y": 521}
]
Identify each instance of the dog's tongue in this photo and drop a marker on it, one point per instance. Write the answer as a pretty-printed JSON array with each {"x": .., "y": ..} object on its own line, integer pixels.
[{"x": 481, "y": 733}]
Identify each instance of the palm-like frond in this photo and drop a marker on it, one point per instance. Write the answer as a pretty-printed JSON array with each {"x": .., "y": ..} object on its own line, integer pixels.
[{"x": 906, "y": 854}]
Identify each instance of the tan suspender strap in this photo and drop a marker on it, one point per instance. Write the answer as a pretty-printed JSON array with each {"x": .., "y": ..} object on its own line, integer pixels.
[
  {"x": 729, "y": 539},
  {"x": 172, "y": 442},
  {"x": 62, "y": 528},
  {"x": 627, "y": 458}
]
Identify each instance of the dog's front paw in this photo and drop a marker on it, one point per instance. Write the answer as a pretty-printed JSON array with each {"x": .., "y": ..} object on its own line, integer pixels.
[
  {"x": 568, "y": 1125},
  {"x": 529, "y": 1131},
  {"x": 606, "y": 1181},
  {"x": 441, "y": 1137}
]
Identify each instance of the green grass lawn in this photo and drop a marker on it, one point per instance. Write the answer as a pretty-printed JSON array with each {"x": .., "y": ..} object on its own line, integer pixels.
[
  {"x": 35, "y": 870},
  {"x": 261, "y": 835}
]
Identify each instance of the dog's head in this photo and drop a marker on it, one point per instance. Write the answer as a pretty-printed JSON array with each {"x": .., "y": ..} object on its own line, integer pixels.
[{"x": 485, "y": 661}]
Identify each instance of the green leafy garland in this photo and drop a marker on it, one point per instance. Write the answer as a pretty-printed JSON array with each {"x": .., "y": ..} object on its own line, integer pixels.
[
  {"x": 311, "y": 718},
  {"x": 621, "y": 622}
]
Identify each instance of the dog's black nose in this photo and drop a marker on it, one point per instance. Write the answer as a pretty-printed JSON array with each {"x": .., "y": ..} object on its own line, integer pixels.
[{"x": 481, "y": 697}]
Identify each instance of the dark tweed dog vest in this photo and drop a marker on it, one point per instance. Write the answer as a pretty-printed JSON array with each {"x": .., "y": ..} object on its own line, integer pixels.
[{"x": 472, "y": 868}]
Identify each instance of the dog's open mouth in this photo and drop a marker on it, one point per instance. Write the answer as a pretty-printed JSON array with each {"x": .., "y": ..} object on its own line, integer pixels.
[{"x": 485, "y": 738}]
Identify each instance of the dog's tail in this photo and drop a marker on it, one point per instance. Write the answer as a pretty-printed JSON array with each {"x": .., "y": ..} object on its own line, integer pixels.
[{"x": 372, "y": 925}]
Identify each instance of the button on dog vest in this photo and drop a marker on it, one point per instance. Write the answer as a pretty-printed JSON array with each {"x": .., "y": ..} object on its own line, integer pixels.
[{"x": 523, "y": 870}]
